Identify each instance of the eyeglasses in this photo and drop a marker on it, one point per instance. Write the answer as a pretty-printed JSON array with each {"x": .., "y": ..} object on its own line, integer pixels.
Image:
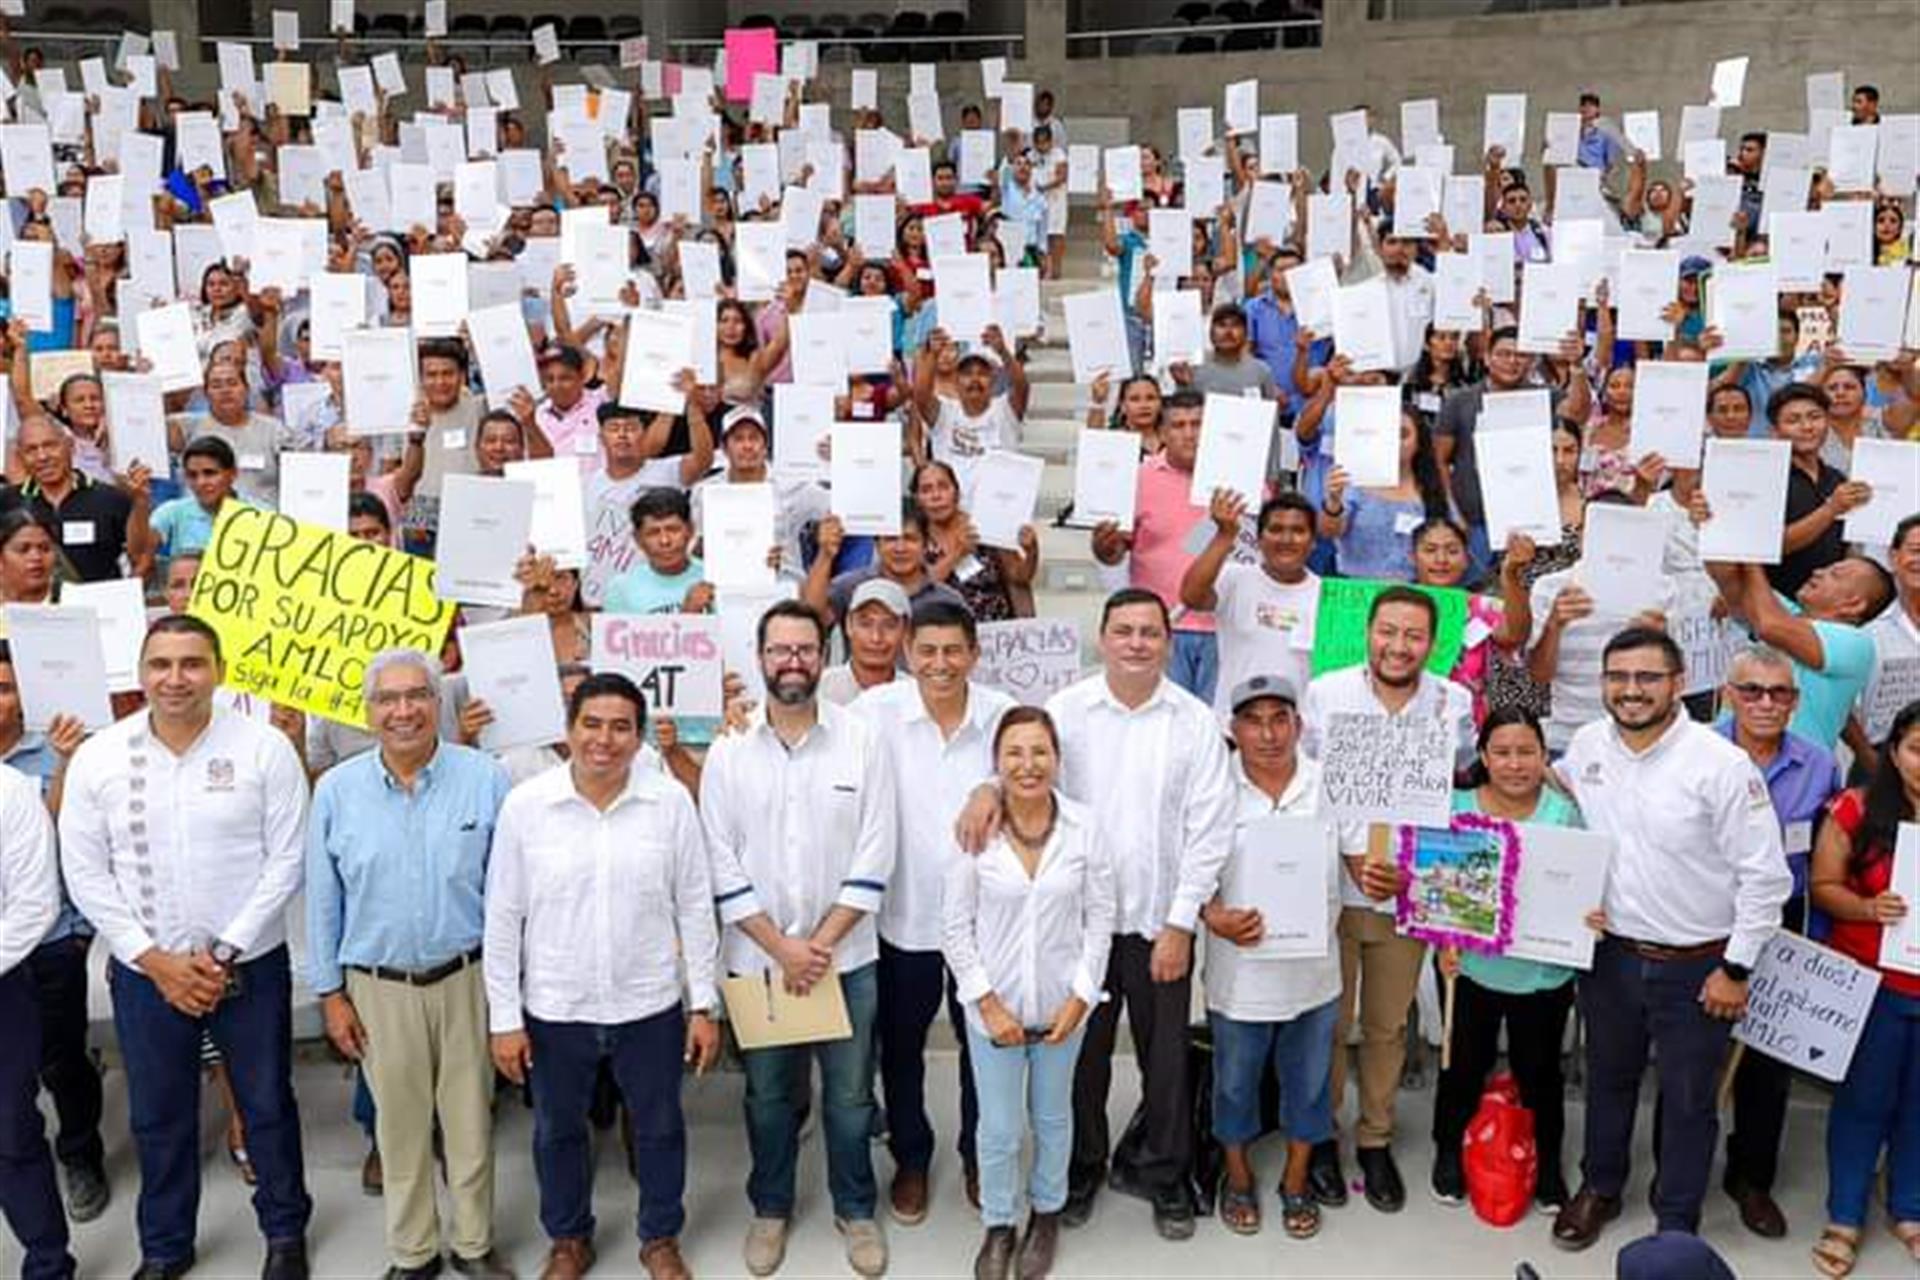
[
  {"x": 392, "y": 697},
  {"x": 792, "y": 652},
  {"x": 1781, "y": 693},
  {"x": 1638, "y": 679}
]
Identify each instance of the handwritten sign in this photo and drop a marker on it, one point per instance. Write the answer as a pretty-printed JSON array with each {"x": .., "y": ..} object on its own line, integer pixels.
[
  {"x": 1895, "y": 685},
  {"x": 1030, "y": 658},
  {"x": 675, "y": 658},
  {"x": 301, "y": 610},
  {"x": 1381, "y": 768},
  {"x": 1806, "y": 1006},
  {"x": 1708, "y": 644},
  {"x": 1340, "y": 632}
]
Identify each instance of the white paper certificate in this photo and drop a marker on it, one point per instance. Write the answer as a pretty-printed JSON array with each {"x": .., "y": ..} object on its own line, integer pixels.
[
  {"x": 136, "y": 421},
  {"x": 313, "y": 488},
  {"x": 865, "y": 477},
  {"x": 1743, "y": 303},
  {"x": 1873, "y": 309},
  {"x": 659, "y": 347},
  {"x": 1562, "y": 880},
  {"x": 1005, "y": 489},
  {"x": 121, "y": 606},
  {"x": 486, "y": 525},
  {"x": 166, "y": 340},
  {"x": 1456, "y": 283},
  {"x": 1746, "y": 486},
  {"x": 1106, "y": 471},
  {"x": 1549, "y": 305},
  {"x": 1516, "y": 483},
  {"x": 1179, "y": 328},
  {"x": 378, "y": 370},
  {"x": 440, "y": 297},
  {"x": 1669, "y": 411},
  {"x": 1097, "y": 335},
  {"x": 1281, "y": 867},
  {"x": 1649, "y": 282},
  {"x": 559, "y": 527},
  {"x": 1892, "y": 469},
  {"x": 59, "y": 664},
  {"x": 737, "y": 530},
  {"x": 1900, "y": 943},
  {"x": 1363, "y": 325},
  {"x": 1366, "y": 435},
  {"x": 500, "y": 343},
  {"x": 1236, "y": 434},
  {"x": 1620, "y": 558},
  {"x": 510, "y": 666},
  {"x": 965, "y": 286}
]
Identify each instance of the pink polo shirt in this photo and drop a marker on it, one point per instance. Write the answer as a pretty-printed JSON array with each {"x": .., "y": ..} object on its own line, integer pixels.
[
  {"x": 575, "y": 432},
  {"x": 1163, "y": 533}
]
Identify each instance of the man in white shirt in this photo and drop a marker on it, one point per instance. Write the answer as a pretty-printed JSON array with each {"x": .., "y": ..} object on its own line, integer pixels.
[
  {"x": 978, "y": 422},
  {"x": 181, "y": 837},
  {"x": 800, "y": 823},
  {"x": 598, "y": 893},
  {"x": 631, "y": 442},
  {"x": 938, "y": 730},
  {"x": 876, "y": 628},
  {"x": 1263, "y": 614},
  {"x": 1698, "y": 880},
  {"x": 799, "y": 504},
  {"x": 1379, "y": 969},
  {"x": 1896, "y": 647},
  {"x": 1148, "y": 761},
  {"x": 29, "y": 904},
  {"x": 1269, "y": 997}
]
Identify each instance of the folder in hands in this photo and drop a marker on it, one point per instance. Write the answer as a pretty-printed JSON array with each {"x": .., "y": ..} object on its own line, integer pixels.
[{"x": 765, "y": 1015}]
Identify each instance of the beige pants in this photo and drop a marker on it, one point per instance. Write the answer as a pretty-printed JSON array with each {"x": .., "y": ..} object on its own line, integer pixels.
[
  {"x": 427, "y": 1055},
  {"x": 1379, "y": 971}
]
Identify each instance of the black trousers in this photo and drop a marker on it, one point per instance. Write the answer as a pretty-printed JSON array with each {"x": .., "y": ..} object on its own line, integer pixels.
[
  {"x": 1760, "y": 1089},
  {"x": 1157, "y": 1017},
  {"x": 911, "y": 986},
  {"x": 1536, "y": 1023},
  {"x": 59, "y": 974}
]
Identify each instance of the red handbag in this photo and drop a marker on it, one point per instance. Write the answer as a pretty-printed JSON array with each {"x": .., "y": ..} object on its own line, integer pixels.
[{"x": 1501, "y": 1159}]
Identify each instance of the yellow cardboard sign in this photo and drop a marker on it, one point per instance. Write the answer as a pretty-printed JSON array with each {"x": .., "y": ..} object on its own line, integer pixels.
[{"x": 302, "y": 609}]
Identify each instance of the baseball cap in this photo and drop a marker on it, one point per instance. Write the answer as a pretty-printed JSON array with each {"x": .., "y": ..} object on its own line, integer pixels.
[
  {"x": 740, "y": 414},
  {"x": 986, "y": 355},
  {"x": 572, "y": 357},
  {"x": 1695, "y": 266},
  {"x": 1254, "y": 688},
  {"x": 1229, "y": 311},
  {"x": 881, "y": 591}
]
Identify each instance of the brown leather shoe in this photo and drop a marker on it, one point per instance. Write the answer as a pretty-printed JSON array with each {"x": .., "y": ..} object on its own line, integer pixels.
[
  {"x": 373, "y": 1178},
  {"x": 909, "y": 1197},
  {"x": 1578, "y": 1225},
  {"x": 1036, "y": 1250},
  {"x": 995, "y": 1259},
  {"x": 1759, "y": 1213},
  {"x": 662, "y": 1260},
  {"x": 568, "y": 1259}
]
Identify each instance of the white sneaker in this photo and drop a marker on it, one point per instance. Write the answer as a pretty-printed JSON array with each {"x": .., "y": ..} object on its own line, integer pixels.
[
  {"x": 866, "y": 1246},
  {"x": 766, "y": 1245}
]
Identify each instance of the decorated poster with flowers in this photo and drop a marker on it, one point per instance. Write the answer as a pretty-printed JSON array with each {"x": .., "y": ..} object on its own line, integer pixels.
[{"x": 1460, "y": 879}]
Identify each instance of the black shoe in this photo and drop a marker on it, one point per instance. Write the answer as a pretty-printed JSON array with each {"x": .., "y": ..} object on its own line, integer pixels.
[
  {"x": 286, "y": 1260},
  {"x": 425, "y": 1271},
  {"x": 1173, "y": 1214},
  {"x": 150, "y": 1270},
  {"x": 1326, "y": 1180},
  {"x": 87, "y": 1191},
  {"x": 1449, "y": 1177},
  {"x": 1385, "y": 1191},
  {"x": 488, "y": 1266},
  {"x": 1079, "y": 1205}
]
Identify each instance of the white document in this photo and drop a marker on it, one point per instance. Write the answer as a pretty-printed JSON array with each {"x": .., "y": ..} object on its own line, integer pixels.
[
  {"x": 1463, "y": 203},
  {"x": 440, "y": 293},
  {"x": 964, "y": 289},
  {"x": 410, "y": 196},
  {"x": 1457, "y": 281},
  {"x": 1746, "y": 486},
  {"x": 946, "y": 236},
  {"x": 818, "y": 354},
  {"x": 559, "y": 527},
  {"x": 976, "y": 157},
  {"x": 1083, "y": 169},
  {"x": 1729, "y": 82},
  {"x": 1504, "y": 125},
  {"x": 339, "y": 304},
  {"x": 26, "y": 157},
  {"x": 1123, "y": 174},
  {"x": 1097, "y": 335},
  {"x": 498, "y": 335},
  {"x": 1852, "y": 155},
  {"x": 1516, "y": 483},
  {"x": 1016, "y": 107},
  {"x": 1366, "y": 435},
  {"x": 1106, "y": 469},
  {"x": 106, "y": 209},
  {"x": 1280, "y": 867},
  {"x": 1649, "y": 282},
  {"x": 1549, "y": 305},
  {"x": 1236, "y": 435},
  {"x": 546, "y": 44},
  {"x": 865, "y": 477},
  {"x": 1419, "y": 125},
  {"x": 1576, "y": 195},
  {"x": 379, "y": 373},
  {"x": 1642, "y": 129},
  {"x": 1563, "y": 138},
  {"x": 1797, "y": 244},
  {"x": 121, "y": 606},
  {"x": 1703, "y": 158},
  {"x": 1016, "y": 305},
  {"x": 1242, "y": 106},
  {"x": 1363, "y": 326},
  {"x": 1507, "y": 410},
  {"x": 1495, "y": 251},
  {"x": 1743, "y": 303},
  {"x": 1900, "y": 942},
  {"x": 1312, "y": 285},
  {"x": 1562, "y": 880},
  {"x": 1170, "y": 243},
  {"x": 1669, "y": 411},
  {"x": 1279, "y": 144},
  {"x": 737, "y": 529},
  {"x": 509, "y": 665},
  {"x": 1873, "y": 311},
  {"x": 1193, "y": 131},
  {"x": 313, "y": 488},
  {"x": 136, "y": 421},
  {"x": 802, "y": 418},
  {"x": 1849, "y": 227},
  {"x": 1269, "y": 212},
  {"x": 659, "y": 347},
  {"x": 1621, "y": 557},
  {"x": 1330, "y": 226},
  {"x": 1179, "y": 328},
  {"x": 59, "y": 664},
  {"x": 1416, "y": 197},
  {"x": 486, "y": 525},
  {"x": 1004, "y": 488},
  {"x": 30, "y": 283},
  {"x": 866, "y": 333},
  {"x": 166, "y": 340},
  {"x": 1892, "y": 469}
]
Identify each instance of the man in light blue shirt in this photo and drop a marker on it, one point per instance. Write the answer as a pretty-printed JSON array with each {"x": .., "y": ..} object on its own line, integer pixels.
[
  {"x": 397, "y": 848},
  {"x": 1599, "y": 148}
]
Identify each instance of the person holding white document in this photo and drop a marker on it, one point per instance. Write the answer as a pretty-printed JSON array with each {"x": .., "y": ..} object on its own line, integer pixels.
[
  {"x": 799, "y": 503},
  {"x": 1372, "y": 527},
  {"x": 979, "y": 421},
  {"x": 1531, "y": 999},
  {"x": 256, "y": 438},
  {"x": 1877, "y": 1106},
  {"x": 996, "y": 582},
  {"x": 1266, "y": 1009}
]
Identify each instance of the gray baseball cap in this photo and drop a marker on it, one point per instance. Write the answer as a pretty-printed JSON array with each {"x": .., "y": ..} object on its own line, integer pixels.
[{"x": 1253, "y": 688}]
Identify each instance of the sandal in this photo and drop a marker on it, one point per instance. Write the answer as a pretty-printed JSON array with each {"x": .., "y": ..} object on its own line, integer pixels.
[
  {"x": 243, "y": 1163},
  {"x": 1836, "y": 1251},
  {"x": 1240, "y": 1210},
  {"x": 1908, "y": 1234},
  {"x": 1300, "y": 1215}
]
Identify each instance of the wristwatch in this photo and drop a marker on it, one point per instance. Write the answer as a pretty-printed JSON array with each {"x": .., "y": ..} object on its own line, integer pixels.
[
  {"x": 224, "y": 954},
  {"x": 1738, "y": 972}
]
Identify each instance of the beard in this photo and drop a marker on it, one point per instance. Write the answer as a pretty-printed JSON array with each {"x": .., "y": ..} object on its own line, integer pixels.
[{"x": 793, "y": 688}]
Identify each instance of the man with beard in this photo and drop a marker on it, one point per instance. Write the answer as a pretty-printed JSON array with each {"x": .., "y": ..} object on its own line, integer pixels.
[
  {"x": 800, "y": 822},
  {"x": 1698, "y": 881},
  {"x": 1379, "y": 969}
]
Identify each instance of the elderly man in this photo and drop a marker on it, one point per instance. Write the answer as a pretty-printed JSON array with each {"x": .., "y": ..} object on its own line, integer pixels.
[
  {"x": 396, "y": 875},
  {"x": 180, "y": 836},
  {"x": 97, "y": 523}
]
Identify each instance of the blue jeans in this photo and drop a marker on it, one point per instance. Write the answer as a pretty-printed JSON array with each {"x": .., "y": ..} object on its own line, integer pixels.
[
  {"x": 1877, "y": 1105},
  {"x": 646, "y": 1060},
  {"x": 252, "y": 1028},
  {"x": 846, "y": 1092},
  {"x": 1030, "y": 1086},
  {"x": 29, "y": 1197},
  {"x": 1301, "y": 1050},
  {"x": 364, "y": 1113},
  {"x": 1195, "y": 663}
]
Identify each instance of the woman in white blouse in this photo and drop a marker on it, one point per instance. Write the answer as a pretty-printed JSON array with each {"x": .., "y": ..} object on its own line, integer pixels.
[{"x": 1027, "y": 925}]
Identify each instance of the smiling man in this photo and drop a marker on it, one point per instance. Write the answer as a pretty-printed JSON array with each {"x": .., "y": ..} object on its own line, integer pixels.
[{"x": 1263, "y": 614}]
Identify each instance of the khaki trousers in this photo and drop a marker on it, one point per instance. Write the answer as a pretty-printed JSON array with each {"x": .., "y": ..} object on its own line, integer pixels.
[
  {"x": 426, "y": 1056},
  {"x": 1379, "y": 971}
]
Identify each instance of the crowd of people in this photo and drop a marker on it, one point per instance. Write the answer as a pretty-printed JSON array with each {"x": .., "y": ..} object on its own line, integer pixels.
[{"x": 871, "y": 832}]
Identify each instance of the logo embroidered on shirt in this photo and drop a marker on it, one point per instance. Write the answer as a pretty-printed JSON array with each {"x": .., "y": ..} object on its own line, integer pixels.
[{"x": 219, "y": 775}]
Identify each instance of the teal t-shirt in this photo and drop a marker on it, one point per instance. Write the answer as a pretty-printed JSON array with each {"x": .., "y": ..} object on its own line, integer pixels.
[
  {"x": 1498, "y": 973},
  {"x": 1828, "y": 694},
  {"x": 182, "y": 525}
]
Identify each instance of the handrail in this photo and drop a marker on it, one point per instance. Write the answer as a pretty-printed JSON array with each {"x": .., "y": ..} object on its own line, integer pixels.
[{"x": 1121, "y": 33}]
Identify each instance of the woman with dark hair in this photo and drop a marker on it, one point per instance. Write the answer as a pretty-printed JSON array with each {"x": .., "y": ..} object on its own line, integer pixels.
[
  {"x": 1370, "y": 526},
  {"x": 1877, "y": 1106},
  {"x": 746, "y": 363},
  {"x": 222, "y": 315},
  {"x": 1026, "y": 929},
  {"x": 1530, "y": 997},
  {"x": 30, "y": 561},
  {"x": 1136, "y": 409},
  {"x": 996, "y": 582}
]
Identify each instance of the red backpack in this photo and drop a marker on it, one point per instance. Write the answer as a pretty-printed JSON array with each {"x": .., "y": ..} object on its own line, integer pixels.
[{"x": 1499, "y": 1155}]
